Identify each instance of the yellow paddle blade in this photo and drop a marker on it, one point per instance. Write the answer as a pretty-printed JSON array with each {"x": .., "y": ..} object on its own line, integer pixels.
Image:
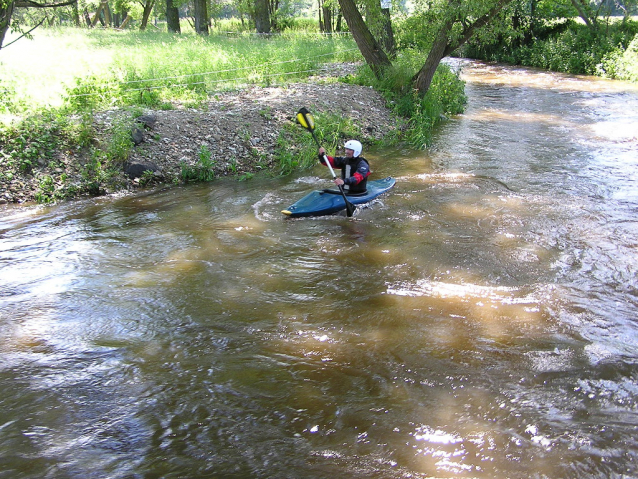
[{"x": 304, "y": 118}]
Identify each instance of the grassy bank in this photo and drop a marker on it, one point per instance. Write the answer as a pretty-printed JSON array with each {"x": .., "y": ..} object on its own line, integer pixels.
[{"x": 54, "y": 86}]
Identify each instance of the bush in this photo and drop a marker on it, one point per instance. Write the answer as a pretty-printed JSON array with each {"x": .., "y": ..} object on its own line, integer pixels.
[
  {"x": 446, "y": 96},
  {"x": 565, "y": 46},
  {"x": 31, "y": 142},
  {"x": 622, "y": 65}
]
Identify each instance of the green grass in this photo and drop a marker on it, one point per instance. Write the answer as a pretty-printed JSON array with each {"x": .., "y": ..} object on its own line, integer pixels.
[{"x": 101, "y": 68}]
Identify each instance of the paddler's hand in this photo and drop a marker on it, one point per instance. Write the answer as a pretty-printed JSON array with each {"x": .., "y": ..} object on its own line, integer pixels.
[
  {"x": 321, "y": 154},
  {"x": 339, "y": 182}
]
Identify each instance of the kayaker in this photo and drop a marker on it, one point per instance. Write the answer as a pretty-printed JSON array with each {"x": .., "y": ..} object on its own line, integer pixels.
[{"x": 354, "y": 168}]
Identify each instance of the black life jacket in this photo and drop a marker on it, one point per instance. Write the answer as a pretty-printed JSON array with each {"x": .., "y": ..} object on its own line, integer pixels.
[{"x": 349, "y": 169}]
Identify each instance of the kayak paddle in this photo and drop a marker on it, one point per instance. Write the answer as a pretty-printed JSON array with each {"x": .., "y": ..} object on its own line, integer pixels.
[{"x": 304, "y": 118}]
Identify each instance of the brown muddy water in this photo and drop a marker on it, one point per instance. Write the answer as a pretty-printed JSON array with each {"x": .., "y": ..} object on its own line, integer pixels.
[{"x": 479, "y": 321}]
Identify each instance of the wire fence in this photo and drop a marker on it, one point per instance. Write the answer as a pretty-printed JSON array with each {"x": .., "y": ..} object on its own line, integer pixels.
[{"x": 246, "y": 79}]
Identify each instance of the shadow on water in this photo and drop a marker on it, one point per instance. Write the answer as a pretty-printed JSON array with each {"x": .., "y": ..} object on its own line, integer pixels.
[{"x": 476, "y": 322}]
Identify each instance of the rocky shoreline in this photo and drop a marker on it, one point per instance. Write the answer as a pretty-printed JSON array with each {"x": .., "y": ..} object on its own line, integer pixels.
[{"x": 240, "y": 129}]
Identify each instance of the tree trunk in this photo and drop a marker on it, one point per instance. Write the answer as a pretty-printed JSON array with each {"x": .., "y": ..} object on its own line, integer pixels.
[
  {"x": 262, "y": 16},
  {"x": 372, "y": 52},
  {"x": 320, "y": 10},
  {"x": 6, "y": 12},
  {"x": 201, "y": 17},
  {"x": 148, "y": 8},
  {"x": 581, "y": 9},
  {"x": 387, "y": 34},
  {"x": 444, "y": 46},
  {"x": 327, "y": 20},
  {"x": 273, "y": 7},
  {"x": 76, "y": 13},
  {"x": 172, "y": 17},
  {"x": 107, "y": 14},
  {"x": 423, "y": 79}
]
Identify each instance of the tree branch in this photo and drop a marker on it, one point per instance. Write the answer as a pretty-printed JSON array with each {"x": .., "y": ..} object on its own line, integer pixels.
[
  {"x": 25, "y": 33},
  {"x": 32, "y": 4}
]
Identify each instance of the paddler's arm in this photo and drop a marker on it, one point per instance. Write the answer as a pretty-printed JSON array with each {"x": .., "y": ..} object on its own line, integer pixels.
[
  {"x": 322, "y": 155},
  {"x": 322, "y": 152}
]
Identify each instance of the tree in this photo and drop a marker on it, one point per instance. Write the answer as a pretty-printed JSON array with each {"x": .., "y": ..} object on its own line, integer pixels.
[
  {"x": 7, "y": 7},
  {"x": 329, "y": 16},
  {"x": 201, "y": 17},
  {"x": 387, "y": 34},
  {"x": 459, "y": 20},
  {"x": 147, "y": 5},
  {"x": 374, "y": 55},
  {"x": 325, "y": 16},
  {"x": 262, "y": 16},
  {"x": 447, "y": 41},
  {"x": 172, "y": 17}
]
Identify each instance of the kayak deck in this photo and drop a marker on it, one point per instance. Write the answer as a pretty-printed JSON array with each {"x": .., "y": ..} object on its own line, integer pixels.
[{"x": 327, "y": 202}]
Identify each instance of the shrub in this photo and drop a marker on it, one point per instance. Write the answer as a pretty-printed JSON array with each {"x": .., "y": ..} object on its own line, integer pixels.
[
  {"x": 203, "y": 171},
  {"x": 446, "y": 96},
  {"x": 564, "y": 46}
]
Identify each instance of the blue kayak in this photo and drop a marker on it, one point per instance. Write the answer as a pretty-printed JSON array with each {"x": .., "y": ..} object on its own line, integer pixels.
[{"x": 327, "y": 202}]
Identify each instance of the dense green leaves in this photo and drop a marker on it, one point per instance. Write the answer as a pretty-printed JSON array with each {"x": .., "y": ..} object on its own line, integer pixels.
[{"x": 565, "y": 46}]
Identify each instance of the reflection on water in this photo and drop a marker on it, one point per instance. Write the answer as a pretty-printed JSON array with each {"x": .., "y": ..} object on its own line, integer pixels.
[{"x": 479, "y": 321}]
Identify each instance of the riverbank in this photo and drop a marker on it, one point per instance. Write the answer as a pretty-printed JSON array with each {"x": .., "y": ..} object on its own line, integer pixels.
[{"x": 240, "y": 130}]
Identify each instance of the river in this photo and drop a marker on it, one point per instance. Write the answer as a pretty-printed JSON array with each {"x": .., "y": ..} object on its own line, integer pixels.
[{"x": 478, "y": 321}]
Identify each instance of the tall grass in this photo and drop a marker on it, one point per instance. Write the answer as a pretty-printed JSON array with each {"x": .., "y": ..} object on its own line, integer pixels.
[{"x": 105, "y": 68}]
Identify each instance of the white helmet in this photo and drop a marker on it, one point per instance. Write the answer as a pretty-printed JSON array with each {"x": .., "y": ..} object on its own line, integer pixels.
[{"x": 354, "y": 145}]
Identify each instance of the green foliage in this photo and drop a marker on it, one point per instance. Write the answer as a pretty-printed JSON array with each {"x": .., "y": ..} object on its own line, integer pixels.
[
  {"x": 293, "y": 149},
  {"x": 51, "y": 189},
  {"x": 564, "y": 46},
  {"x": 31, "y": 142},
  {"x": 622, "y": 65},
  {"x": 91, "y": 93},
  {"x": 446, "y": 96},
  {"x": 96, "y": 173},
  {"x": 410, "y": 34},
  {"x": 204, "y": 170},
  {"x": 148, "y": 177},
  {"x": 120, "y": 142},
  {"x": 45, "y": 193}
]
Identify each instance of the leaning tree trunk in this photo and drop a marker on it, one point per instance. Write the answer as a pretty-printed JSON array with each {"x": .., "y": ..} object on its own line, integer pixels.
[
  {"x": 172, "y": 17},
  {"x": 581, "y": 8},
  {"x": 374, "y": 55},
  {"x": 439, "y": 50},
  {"x": 148, "y": 8},
  {"x": 444, "y": 46}
]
